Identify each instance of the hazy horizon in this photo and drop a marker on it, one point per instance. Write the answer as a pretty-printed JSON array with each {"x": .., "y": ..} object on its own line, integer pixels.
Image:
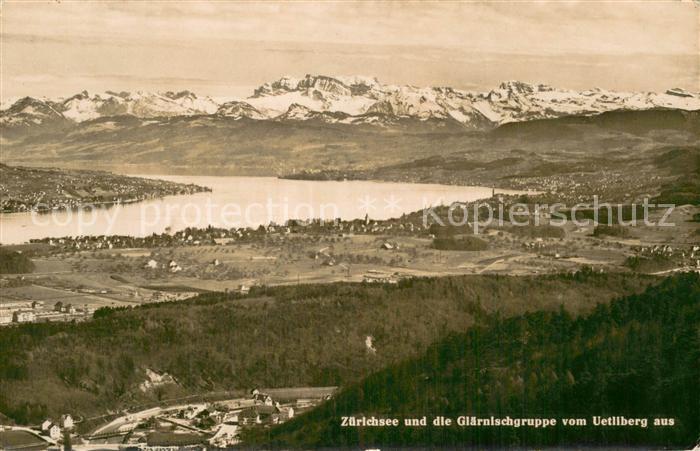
[{"x": 51, "y": 49}]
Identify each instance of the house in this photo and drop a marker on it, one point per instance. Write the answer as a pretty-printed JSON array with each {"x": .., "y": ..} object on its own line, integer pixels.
[
  {"x": 152, "y": 264},
  {"x": 259, "y": 415},
  {"x": 54, "y": 431},
  {"x": 193, "y": 412},
  {"x": 23, "y": 317},
  {"x": 174, "y": 267},
  {"x": 262, "y": 398},
  {"x": 5, "y": 319},
  {"x": 46, "y": 425},
  {"x": 249, "y": 417},
  {"x": 284, "y": 413},
  {"x": 67, "y": 422}
]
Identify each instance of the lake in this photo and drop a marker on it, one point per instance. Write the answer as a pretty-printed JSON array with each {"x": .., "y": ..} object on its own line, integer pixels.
[{"x": 239, "y": 202}]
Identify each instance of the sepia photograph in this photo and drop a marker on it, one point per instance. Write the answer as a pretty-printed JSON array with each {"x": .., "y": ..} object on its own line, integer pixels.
[{"x": 352, "y": 225}]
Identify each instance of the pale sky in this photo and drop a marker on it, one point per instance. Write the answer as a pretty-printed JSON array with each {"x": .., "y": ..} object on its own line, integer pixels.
[{"x": 227, "y": 48}]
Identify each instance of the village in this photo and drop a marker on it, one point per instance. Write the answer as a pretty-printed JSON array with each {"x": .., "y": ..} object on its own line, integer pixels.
[
  {"x": 214, "y": 423},
  {"x": 76, "y": 276},
  {"x": 19, "y": 312},
  {"x": 29, "y": 189}
]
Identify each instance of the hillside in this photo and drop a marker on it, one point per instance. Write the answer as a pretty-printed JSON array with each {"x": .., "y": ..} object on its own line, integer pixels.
[
  {"x": 299, "y": 335},
  {"x": 636, "y": 357},
  {"x": 616, "y": 155},
  {"x": 26, "y": 189},
  {"x": 227, "y": 146},
  {"x": 321, "y": 123}
]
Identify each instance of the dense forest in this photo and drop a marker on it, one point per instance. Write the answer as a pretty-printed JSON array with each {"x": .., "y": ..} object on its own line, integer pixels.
[
  {"x": 274, "y": 337},
  {"x": 637, "y": 357},
  {"x": 467, "y": 243},
  {"x": 12, "y": 262}
]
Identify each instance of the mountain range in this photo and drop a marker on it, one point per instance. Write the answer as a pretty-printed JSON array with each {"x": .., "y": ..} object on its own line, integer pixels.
[{"x": 347, "y": 100}]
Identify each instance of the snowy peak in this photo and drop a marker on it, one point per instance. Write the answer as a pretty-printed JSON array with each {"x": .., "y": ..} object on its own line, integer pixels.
[
  {"x": 319, "y": 84},
  {"x": 29, "y": 111},
  {"x": 355, "y": 100},
  {"x": 238, "y": 110},
  {"x": 83, "y": 106},
  {"x": 297, "y": 112}
]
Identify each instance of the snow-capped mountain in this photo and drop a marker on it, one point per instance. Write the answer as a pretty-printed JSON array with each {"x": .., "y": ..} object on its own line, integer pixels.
[
  {"x": 28, "y": 111},
  {"x": 238, "y": 110},
  {"x": 84, "y": 106},
  {"x": 512, "y": 101},
  {"x": 354, "y": 100}
]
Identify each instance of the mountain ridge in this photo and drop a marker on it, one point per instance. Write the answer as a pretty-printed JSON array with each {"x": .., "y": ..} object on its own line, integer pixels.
[{"x": 351, "y": 100}]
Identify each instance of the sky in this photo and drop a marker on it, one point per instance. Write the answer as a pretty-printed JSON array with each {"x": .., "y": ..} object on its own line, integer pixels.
[{"x": 226, "y": 48}]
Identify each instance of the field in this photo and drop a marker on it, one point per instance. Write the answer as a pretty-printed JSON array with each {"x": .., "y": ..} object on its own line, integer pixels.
[
  {"x": 120, "y": 277},
  {"x": 15, "y": 440}
]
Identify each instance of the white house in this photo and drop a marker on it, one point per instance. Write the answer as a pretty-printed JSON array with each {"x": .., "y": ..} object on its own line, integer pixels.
[
  {"x": 67, "y": 422},
  {"x": 152, "y": 264},
  {"x": 46, "y": 425},
  {"x": 262, "y": 398},
  {"x": 54, "y": 432}
]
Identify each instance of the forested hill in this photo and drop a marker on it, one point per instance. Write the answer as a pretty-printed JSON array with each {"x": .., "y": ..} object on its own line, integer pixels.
[
  {"x": 279, "y": 336},
  {"x": 638, "y": 356}
]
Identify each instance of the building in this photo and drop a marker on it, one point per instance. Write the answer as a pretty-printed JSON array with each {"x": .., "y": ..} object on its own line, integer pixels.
[
  {"x": 54, "y": 431},
  {"x": 23, "y": 317},
  {"x": 260, "y": 414},
  {"x": 262, "y": 398},
  {"x": 67, "y": 422}
]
